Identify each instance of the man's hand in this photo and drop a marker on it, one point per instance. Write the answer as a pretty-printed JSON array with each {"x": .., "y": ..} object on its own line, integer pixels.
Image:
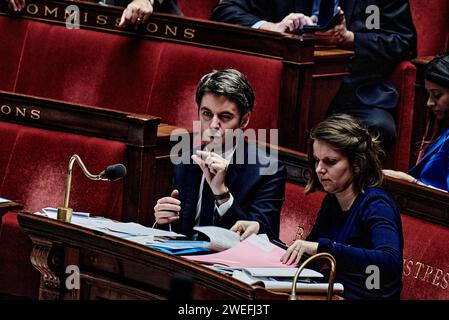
[
  {"x": 338, "y": 35},
  {"x": 290, "y": 24},
  {"x": 16, "y": 5},
  {"x": 297, "y": 249},
  {"x": 246, "y": 228},
  {"x": 214, "y": 168},
  {"x": 137, "y": 12},
  {"x": 167, "y": 209}
]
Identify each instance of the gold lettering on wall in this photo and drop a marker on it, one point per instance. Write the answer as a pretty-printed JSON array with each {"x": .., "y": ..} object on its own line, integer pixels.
[
  {"x": 408, "y": 267},
  {"x": 429, "y": 270},
  {"x": 32, "y": 8},
  {"x": 445, "y": 280},
  {"x": 152, "y": 27},
  {"x": 419, "y": 264},
  {"x": 21, "y": 111},
  {"x": 189, "y": 33},
  {"x": 5, "y": 109},
  {"x": 35, "y": 114},
  {"x": 102, "y": 19},
  {"x": 173, "y": 31},
  {"x": 437, "y": 277},
  {"x": 432, "y": 275},
  {"x": 85, "y": 16},
  {"x": 48, "y": 11}
]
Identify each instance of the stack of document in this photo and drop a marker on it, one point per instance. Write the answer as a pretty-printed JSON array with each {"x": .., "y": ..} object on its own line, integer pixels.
[
  {"x": 254, "y": 251},
  {"x": 220, "y": 239},
  {"x": 125, "y": 230},
  {"x": 281, "y": 279}
]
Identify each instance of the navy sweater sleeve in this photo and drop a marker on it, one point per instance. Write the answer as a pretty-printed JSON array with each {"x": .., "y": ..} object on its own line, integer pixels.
[{"x": 372, "y": 236}]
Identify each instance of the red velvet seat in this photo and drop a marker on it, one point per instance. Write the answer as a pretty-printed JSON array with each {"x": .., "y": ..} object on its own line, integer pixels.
[
  {"x": 299, "y": 212},
  {"x": 178, "y": 74},
  {"x": 88, "y": 67},
  {"x": 33, "y": 166},
  {"x": 158, "y": 78},
  {"x": 11, "y": 50},
  {"x": 426, "y": 260},
  {"x": 199, "y": 9}
]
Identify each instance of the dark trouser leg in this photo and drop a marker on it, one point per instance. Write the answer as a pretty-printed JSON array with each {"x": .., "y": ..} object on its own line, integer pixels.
[{"x": 379, "y": 122}]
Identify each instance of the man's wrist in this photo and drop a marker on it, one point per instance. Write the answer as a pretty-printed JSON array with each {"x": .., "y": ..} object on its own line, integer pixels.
[{"x": 222, "y": 196}]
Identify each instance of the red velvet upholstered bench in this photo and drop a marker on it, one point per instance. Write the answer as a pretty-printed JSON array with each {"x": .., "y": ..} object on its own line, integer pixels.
[
  {"x": 426, "y": 260},
  {"x": 116, "y": 72},
  {"x": 33, "y": 166}
]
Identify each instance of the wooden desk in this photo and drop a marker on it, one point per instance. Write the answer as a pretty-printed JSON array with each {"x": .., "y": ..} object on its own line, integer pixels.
[{"x": 113, "y": 268}]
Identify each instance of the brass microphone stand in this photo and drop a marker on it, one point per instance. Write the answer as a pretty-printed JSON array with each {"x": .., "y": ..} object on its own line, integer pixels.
[
  {"x": 330, "y": 289},
  {"x": 64, "y": 212}
]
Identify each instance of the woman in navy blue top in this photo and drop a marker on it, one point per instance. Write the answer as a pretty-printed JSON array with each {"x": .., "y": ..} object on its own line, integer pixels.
[
  {"x": 358, "y": 223},
  {"x": 432, "y": 168}
]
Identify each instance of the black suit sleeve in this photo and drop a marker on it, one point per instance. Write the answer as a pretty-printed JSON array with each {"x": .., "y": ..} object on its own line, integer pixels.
[
  {"x": 265, "y": 206},
  {"x": 395, "y": 41},
  {"x": 242, "y": 12}
]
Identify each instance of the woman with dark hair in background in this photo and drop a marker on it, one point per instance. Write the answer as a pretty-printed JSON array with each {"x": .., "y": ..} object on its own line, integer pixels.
[{"x": 432, "y": 168}]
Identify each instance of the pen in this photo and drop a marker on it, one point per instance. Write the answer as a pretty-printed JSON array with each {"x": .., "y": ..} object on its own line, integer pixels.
[{"x": 280, "y": 244}]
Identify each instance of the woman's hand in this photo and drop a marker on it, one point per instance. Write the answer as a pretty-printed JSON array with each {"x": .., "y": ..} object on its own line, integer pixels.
[
  {"x": 246, "y": 228},
  {"x": 399, "y": 175},
  {"x": 297, "y": 249}
]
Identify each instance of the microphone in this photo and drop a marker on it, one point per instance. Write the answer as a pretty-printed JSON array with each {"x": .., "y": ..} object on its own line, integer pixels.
[{"x": 111, "y": 173}]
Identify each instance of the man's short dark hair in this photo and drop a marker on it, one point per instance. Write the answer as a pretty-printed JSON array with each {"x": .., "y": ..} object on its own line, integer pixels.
[{"x": 230, "y": 83}]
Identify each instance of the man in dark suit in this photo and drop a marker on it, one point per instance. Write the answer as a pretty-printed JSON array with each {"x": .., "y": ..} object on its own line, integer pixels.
[
  {"x": 365, "y": 93},
  {"x": 229, "y": 179}
]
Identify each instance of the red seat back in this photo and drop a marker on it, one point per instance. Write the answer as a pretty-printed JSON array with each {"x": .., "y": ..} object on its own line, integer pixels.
[
  {"x": 431, "y": 22},
  {"x": 299, "y": 212},
  {"x": 199, "y": 9},
  {"x": 33, "y": 170},
  {"x": 132, "y": 75},
  {"x": 426, "y": 260}
]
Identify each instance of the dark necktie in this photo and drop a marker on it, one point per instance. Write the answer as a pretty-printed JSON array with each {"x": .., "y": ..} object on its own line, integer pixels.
[{"x": 207, "y": 206}]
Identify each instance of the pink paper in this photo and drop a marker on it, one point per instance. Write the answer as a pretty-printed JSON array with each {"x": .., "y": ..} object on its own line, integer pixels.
[{"x": 251, "y": 252}]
